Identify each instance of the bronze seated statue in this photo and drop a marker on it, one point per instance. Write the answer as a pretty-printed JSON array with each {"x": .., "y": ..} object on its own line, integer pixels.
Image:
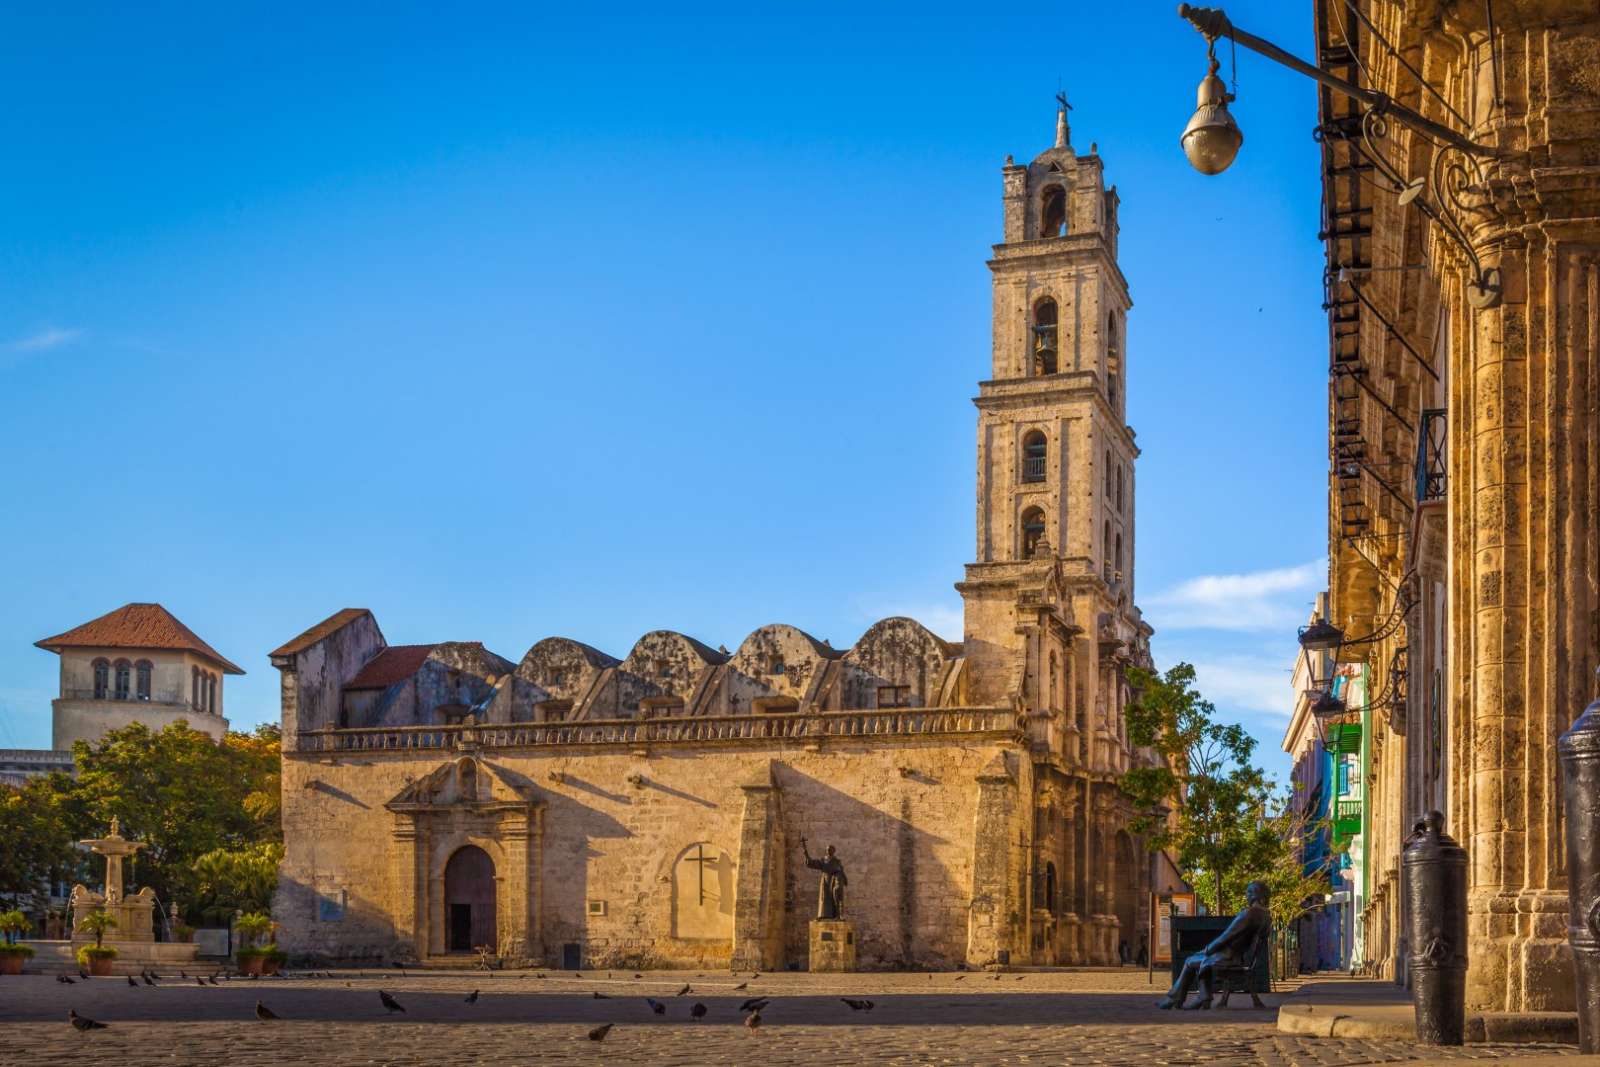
[{"x": 1231, "y": 949}]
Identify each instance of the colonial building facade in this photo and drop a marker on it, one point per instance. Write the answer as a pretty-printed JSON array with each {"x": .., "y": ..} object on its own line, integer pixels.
[
  {"x": 579, "y": 809},
  {"x": 1464, "y": 306}
]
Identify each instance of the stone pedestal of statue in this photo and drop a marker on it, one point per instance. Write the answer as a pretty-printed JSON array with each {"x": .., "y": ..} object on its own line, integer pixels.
[{"x": 833, "y": 945}]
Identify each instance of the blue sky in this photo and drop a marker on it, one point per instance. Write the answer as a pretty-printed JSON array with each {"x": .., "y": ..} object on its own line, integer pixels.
[{"x": 505, "y": 322}]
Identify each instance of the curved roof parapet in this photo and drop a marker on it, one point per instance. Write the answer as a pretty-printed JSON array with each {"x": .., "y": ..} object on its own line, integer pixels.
[
  {"x": 782, "y": 636},
  {"x": 899, "y": 633},
  {"x": 674, "y": 649},
  {"x": 566, "y": 650}
]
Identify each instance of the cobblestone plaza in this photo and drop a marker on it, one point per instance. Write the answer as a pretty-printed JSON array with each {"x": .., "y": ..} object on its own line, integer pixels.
[{"x": 1083, "y": 1017}]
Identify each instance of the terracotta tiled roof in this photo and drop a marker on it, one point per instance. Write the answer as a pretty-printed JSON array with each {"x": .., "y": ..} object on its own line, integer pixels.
[
  {"x": 394, "y": 664},
  {"x": 137, "y": 626},
  {"x": 337, "y": 621}
]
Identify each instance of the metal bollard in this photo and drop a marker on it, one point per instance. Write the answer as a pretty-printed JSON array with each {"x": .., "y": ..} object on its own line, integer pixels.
[
  {"x": 1436, "y": 896},
  {"x": 1580, "y": 787}
]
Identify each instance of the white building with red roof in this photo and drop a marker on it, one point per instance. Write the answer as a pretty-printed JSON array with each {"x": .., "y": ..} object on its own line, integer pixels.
[{"x": 135, "y": 664}]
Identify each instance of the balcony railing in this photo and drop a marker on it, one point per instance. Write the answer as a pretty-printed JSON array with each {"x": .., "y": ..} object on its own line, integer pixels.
[
  {"x": 1033, "y": 468},
  {"x": 1346, "y": 818},
  {"x": 1430, "y": 457},
  {"x": 694, "y": 730}
]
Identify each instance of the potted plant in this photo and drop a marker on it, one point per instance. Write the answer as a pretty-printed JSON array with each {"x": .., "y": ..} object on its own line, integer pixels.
[
  {"x": 251, "y": 958},
  {"x": 12, "y": 954},
  {"x": 183, "y": 933},
  {"x": 272, "y": 958},
  {"x": 97, "y": 957}
]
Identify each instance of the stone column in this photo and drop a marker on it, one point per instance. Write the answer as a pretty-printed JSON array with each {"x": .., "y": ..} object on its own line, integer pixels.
[
  {"x": 518, "y": 919},
  {"x": 993, "y": 904},
  {"x": 758, "y": 913},
  {"x": 1524, "y": 424},
  {"x": 406, "y": 888}
]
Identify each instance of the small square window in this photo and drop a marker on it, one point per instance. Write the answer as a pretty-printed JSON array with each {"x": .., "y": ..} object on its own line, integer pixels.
[
  {"x": 894, "y": 696},
  {"x": 597, "y": 907},
  {"x": 330, "y": 906}
]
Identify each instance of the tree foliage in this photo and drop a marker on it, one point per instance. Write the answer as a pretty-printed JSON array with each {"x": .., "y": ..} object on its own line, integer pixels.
[
  {"x": 180, "y": 793},
  {"x": 1204, "y": 800},
  {"x": 236, "y": 880},
  {"x": 38, "y": 831}
]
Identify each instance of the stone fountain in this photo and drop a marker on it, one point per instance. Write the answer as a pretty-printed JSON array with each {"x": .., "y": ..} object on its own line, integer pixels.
[{"x": 135, "y": 915}]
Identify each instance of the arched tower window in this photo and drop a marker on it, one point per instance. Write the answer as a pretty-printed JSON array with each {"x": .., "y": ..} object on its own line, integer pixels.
[
  {"x": 1032, "y": 531},
  {"x": 1119, "y": 492},
  {"x": 1105, "y": 547},
  {"x": 1108, "y": 474},
  {"x": 1053, "y": 212},
  {"x": 1034, "y": 450},
  {"x": 141, "y": 671},
  {"x": 211, "y": 693},
  {"x": 194, "y": 688},
  {"x": 102, "y": 678},
  {"x": 124, "y": 671},
  {"x": 1113, "y": 359},
  {"x": 1119, "y": 553},
  {"x": 1044, "y": 337}
]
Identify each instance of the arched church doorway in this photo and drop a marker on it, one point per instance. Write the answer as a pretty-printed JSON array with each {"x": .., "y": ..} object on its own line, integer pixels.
[
  {"x": 1128, "y": 895},
  {"x": 469, "y": 900}
]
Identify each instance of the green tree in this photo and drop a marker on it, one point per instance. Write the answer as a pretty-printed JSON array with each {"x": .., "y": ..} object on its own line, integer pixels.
[
  {"x": 232, "y": 880},
  {"x": 39, "y": 824},
  {"x": 183, "y": 795},
  {"x": 1203, "y": 800}
]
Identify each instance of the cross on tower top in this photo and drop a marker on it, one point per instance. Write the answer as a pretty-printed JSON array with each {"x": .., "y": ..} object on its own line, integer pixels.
[{"x": 1063, "y": 131}]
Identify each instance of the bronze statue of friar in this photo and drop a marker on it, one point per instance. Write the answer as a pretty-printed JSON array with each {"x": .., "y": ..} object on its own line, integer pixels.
[{"x": 830, "y": 891}]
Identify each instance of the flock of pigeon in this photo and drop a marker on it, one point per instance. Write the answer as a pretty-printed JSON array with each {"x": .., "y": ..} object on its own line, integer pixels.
[{"x": 751, "y": 1008}]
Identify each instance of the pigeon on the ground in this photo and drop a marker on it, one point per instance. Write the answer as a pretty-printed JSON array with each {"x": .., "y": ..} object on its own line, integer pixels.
[
  {"x": 213, "y": 980},
  {"x": 753, "y": 977},
  {"x": 698, "y": 1011},
  {"x": 389, "y": 1003},
  {"x": 82, "y": 1024},
  {"x": 959, "y": 977},
  {"x": 64, "y": 980},
  {"x": 184, "y": 975},
  {"x": 83, "y": 974},
  {"x": 685, "y": 990},
  {"x": 149, "y": 979},
  {"x": 201, "y": 982},
  {"x": 857, "y": 1005},
  {"x": 638, "y": 976},
  {"x": 472, "y": 997},
  {"x": 599, "y": 1033},
  {"x": 575, "y": 974},
  {"x": 754, "y": 1004},
  {"x": 753, "y": 1020},
  {"x": 742, "y": 985},
  {"x": 600, "y": 996},
  {"x": 538, "y": 976},
  {"x": 264, "y": 1013},
  {"x": 132, "y": 982},
  {"x": 656, "y": 1006}
]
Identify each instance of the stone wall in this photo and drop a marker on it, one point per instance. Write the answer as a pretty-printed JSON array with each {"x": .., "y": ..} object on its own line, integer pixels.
[{"x": 912, "y": 823}]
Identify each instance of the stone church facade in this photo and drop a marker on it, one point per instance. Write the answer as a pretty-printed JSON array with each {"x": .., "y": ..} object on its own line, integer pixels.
[{"x": 575, "y": 809}]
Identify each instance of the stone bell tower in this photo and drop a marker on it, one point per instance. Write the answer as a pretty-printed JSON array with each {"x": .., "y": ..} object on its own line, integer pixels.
[{"x": 1049, "y": 599}]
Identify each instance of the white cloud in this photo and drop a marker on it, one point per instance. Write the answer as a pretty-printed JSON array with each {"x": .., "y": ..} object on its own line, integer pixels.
[
  {"x": 1260, "y": 600},
  {"x": 51, "y": 337},
  {"x": 1249, "y": 683}
]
